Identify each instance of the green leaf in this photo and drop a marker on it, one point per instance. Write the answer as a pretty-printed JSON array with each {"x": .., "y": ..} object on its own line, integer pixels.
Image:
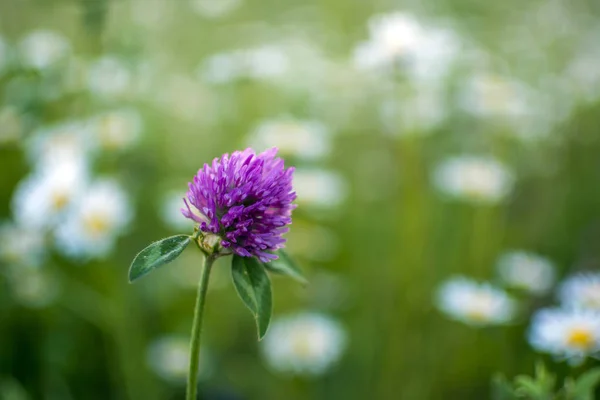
[
  {"x": 502, "y": 389},
  {"x": 586, "y": 384},
  {"x": 157, "y": 254},
  {"x": 286, "y": 265},
  {"x": 254, "y": 288}
]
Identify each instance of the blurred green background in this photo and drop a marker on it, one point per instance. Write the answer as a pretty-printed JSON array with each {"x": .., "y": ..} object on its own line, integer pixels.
[{"x": 375, "y": 239}]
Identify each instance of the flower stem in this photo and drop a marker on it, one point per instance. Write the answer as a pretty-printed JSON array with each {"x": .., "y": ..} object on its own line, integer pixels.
[{"x": 192, "y": 383}]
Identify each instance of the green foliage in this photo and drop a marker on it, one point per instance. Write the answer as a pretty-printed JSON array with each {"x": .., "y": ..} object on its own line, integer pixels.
[
  {"x": 583, "y": 388},
  {"x": 543, "y": 386},
  {"x": 254, "y": 288},
  {"x": 286, "y": 265},
  {"x": 157, "y": 254}
]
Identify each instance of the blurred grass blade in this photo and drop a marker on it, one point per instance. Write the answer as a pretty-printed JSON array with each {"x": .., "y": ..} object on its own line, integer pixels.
[
  {"x": 254, "y": 288},
  {"x": 286, "y": 265},
  {"x": 158, "y": 253},
  {"x": 586, "y": 384},
  {"x": 502, "y": 389}
]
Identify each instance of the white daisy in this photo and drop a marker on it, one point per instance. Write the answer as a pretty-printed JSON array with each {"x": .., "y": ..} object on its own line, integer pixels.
[
  {"x": 527, "y": 271},
  {"x": 474, "y": 178},
  {"x": 320, "y": 188},
  {"x": 487, "y": 95},
  {"x": 476, "y": 304},
  {"x": 169, "y": 358},
  {"x": 308, "y": 140},
  {"x": 109, "y": 77},
  {"x": 99, "y": 215},
  {"x": 305, "y": 344},
  {"x": 59, "y": 144},
  {"x": 266, "y": 62},
  {"x": 116, "y": 130},
  {"x": 221, "y": 68},
  {"x": 214, "y": 9},
  {"x": 44, "y": 197},
  {"x": 171, "y": 212},
  {"x": 566, "y": 333},
  {"x": 43, "y": 49},
  {"x": 581, "y": 291},
  {"x": 400, "y": 40},
  {"x": 21, "y": 246}
]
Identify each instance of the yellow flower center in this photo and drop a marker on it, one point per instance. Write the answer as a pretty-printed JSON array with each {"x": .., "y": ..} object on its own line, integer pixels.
[
  {"x": 59, "y": 200},
  {"x": 581, "y": 338},
  {"x": 96, "y": 224},
  {"x": 301, "y": 345},
  {"x": 477, "y": 315}
]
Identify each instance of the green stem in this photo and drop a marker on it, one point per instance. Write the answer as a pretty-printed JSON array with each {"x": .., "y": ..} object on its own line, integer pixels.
[{"x": 192, "y": 383}]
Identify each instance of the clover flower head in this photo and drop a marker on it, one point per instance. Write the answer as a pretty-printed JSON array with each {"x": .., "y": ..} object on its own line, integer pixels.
[{"x": 244, "y": 202}]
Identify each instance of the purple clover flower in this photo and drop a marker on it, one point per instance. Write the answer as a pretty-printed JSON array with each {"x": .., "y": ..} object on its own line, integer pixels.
[{"x": 245, "y": 200}]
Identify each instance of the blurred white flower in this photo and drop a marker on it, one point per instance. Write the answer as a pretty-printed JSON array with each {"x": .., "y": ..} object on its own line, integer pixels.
[
  {"x": 214, "y": 9},
  {"x": 21, "y": 246},
  {"x": 259, "y": 63},
  {"x": 221, "y": 68},
  {"x": 581, "y": 291},
  {"x": 417, "y": 112},
  {"x": 569, "y": 334},
  {"x": 306, "y": 344},
  {"x": 474, "y": 303},
  {"x": 474, "y": 178},
  {"x": 117, "y": 130},
  {"x": 169, "y": 358},
  {"x": 320, "y": 188},
  {"x": 487, "y": 95},
  {"x": 11, "y": 125},
  {"x": 33, "y": 287},
  {"x": 99, "y": 215},
  {"x": 171, "y": 212},
  {"x": 582, "y": 75},
  {"x": 44, "y": 197},
  {"x": 43, "y": 49},
  {"x": 65, "y": 143},
  {"x": 266, "y": 62},
  {"x": 400, "y": 40},
  {"x": 109, "y": 77},
  {"x": 526, "y": 271},
  {"x": 307, "y": 140}
]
